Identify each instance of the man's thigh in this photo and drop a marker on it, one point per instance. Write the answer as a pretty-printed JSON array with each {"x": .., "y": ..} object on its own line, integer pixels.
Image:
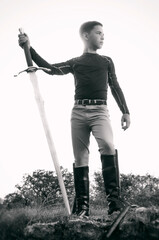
[
  {"x": 102, "y": 131},
  {"x": 80, "y": 137}
]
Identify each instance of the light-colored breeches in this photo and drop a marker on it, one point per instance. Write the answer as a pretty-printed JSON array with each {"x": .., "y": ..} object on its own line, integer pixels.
[{"x": 87, "y": 119}]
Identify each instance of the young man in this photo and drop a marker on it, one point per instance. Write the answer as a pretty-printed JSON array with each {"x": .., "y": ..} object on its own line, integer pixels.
[{"x": 92, "y": 74}]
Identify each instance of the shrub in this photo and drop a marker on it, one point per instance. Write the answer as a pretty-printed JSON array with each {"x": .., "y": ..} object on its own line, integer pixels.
[
  {"x": 41, "y": 187},
  {"x": 136, "y": 189},
  {"x": 14, "y": 221},
  {"x": 12, "y": 224}
]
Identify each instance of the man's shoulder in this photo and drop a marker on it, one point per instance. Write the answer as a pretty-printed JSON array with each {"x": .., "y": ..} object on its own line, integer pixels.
[
  {"x": 74, "y": 59},
  {"x": 106, "y": 58}
]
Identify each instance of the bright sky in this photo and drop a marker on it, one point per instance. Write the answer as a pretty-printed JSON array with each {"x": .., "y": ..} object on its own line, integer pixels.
[{"x": 131, "y": 40}]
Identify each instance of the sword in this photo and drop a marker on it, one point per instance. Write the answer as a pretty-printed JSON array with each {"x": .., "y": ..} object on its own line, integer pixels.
[{"x": 40, "y": 103}]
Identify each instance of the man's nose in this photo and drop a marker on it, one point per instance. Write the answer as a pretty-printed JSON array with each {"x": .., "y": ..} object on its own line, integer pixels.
[{"x": 102, "y": 37}]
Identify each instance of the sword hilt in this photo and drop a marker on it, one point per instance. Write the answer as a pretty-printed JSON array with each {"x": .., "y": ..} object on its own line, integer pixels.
[
  {"x": 26, "y": 51},
  {"x": 21, "y": 30}
]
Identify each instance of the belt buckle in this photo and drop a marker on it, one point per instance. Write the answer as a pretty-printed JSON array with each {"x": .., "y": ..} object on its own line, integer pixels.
[{"x": 83, "y": 100}]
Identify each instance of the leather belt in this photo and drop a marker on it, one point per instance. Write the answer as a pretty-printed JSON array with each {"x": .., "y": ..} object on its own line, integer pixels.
[{"x": 90, "y": 102}]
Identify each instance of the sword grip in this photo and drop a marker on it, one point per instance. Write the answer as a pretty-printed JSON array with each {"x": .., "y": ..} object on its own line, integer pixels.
[{"x": 27, "y": 51}]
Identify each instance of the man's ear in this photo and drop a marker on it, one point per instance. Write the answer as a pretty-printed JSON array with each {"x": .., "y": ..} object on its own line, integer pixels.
[{"x": 85, "y": 36}]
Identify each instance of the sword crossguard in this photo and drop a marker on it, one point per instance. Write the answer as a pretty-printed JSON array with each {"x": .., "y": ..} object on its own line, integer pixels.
[{"x": 33, "y": 69}]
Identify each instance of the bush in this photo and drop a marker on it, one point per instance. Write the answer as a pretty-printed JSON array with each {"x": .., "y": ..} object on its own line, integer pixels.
[
  {"x": 140, "y": 190},
  {"x": 41, "y": 187},
  {"x": 12, "y": 224},
  {"x": 14, "y": 221},
  {"x": 136, "y": 189}
]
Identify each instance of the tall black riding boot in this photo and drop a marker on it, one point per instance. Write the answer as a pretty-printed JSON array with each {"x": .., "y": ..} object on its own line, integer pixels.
[
  {"x": 81, "y": 183},
  {"x": 110, "y": 171}
]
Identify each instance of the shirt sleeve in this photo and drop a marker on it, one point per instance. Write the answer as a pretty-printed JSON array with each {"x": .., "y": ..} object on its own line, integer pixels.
[
  {"x": 56, "y": 69},
  {"x": 115, "y": 88}
]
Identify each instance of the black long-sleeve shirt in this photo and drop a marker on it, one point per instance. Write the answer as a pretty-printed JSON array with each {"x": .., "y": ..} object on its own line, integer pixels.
[{"x": 92, "y": 74}]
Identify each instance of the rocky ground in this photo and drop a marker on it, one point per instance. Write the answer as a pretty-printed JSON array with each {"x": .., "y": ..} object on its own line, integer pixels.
[{"x": 139, "y": 223}]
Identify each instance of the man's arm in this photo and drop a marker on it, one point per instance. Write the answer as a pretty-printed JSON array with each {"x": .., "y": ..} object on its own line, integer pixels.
[
  {"x": 57, "y": 69},
  {"x": 118, "y": 95}
]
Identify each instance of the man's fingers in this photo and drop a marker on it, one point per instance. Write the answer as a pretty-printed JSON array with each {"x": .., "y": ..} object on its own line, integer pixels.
[
  {"x": 23, "y": 38},
  {"x": 125, "y": 121},
  {"x": 124, "y": 126}
]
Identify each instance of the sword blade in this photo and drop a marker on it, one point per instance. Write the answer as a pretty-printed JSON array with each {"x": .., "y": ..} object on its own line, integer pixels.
[{"x": 40, "y": 104}]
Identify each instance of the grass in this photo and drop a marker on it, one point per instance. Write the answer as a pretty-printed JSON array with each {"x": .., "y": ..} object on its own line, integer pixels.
[{"x": 14, "y": 221}]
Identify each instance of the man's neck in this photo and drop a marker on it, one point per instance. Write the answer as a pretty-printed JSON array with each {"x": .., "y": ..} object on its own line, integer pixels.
[{"x": 89, "y": 50}]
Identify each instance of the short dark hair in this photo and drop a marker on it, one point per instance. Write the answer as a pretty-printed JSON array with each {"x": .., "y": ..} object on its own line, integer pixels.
[{"x": 88, "y": 26}]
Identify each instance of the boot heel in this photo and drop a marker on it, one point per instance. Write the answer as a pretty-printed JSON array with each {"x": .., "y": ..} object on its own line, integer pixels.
[{"x": 83, "y": 214}]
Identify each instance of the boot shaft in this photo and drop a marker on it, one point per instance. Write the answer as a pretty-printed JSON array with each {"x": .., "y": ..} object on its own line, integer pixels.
[
  {"x": 110, "y": 172},
  {"x": 81, "y": 183}
]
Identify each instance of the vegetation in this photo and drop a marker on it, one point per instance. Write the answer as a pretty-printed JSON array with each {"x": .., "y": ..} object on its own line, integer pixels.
[
  {"x": 135, "y": 189},
  {"x": 38, "y": 199},
  {"x": 40, "y": 188}
]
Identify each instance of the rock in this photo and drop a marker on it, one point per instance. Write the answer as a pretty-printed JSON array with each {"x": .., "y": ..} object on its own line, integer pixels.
[
  {"x": 139, "y": 223},
  {"x": 142, "y": 214},
  {"x": 68, "y": 229}
]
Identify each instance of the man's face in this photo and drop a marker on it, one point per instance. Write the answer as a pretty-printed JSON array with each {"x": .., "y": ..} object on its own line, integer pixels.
[{"x": 95, "y": 37}]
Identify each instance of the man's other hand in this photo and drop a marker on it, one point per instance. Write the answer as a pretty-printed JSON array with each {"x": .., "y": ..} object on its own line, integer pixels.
[{"x": 125, "y": 121}]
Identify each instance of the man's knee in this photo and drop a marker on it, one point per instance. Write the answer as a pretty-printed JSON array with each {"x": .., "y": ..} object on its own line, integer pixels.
[
  {"x": 107, "y": 149},
  {"x": 81, "y": 159},
  {"x": 81, "y": 162}
]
